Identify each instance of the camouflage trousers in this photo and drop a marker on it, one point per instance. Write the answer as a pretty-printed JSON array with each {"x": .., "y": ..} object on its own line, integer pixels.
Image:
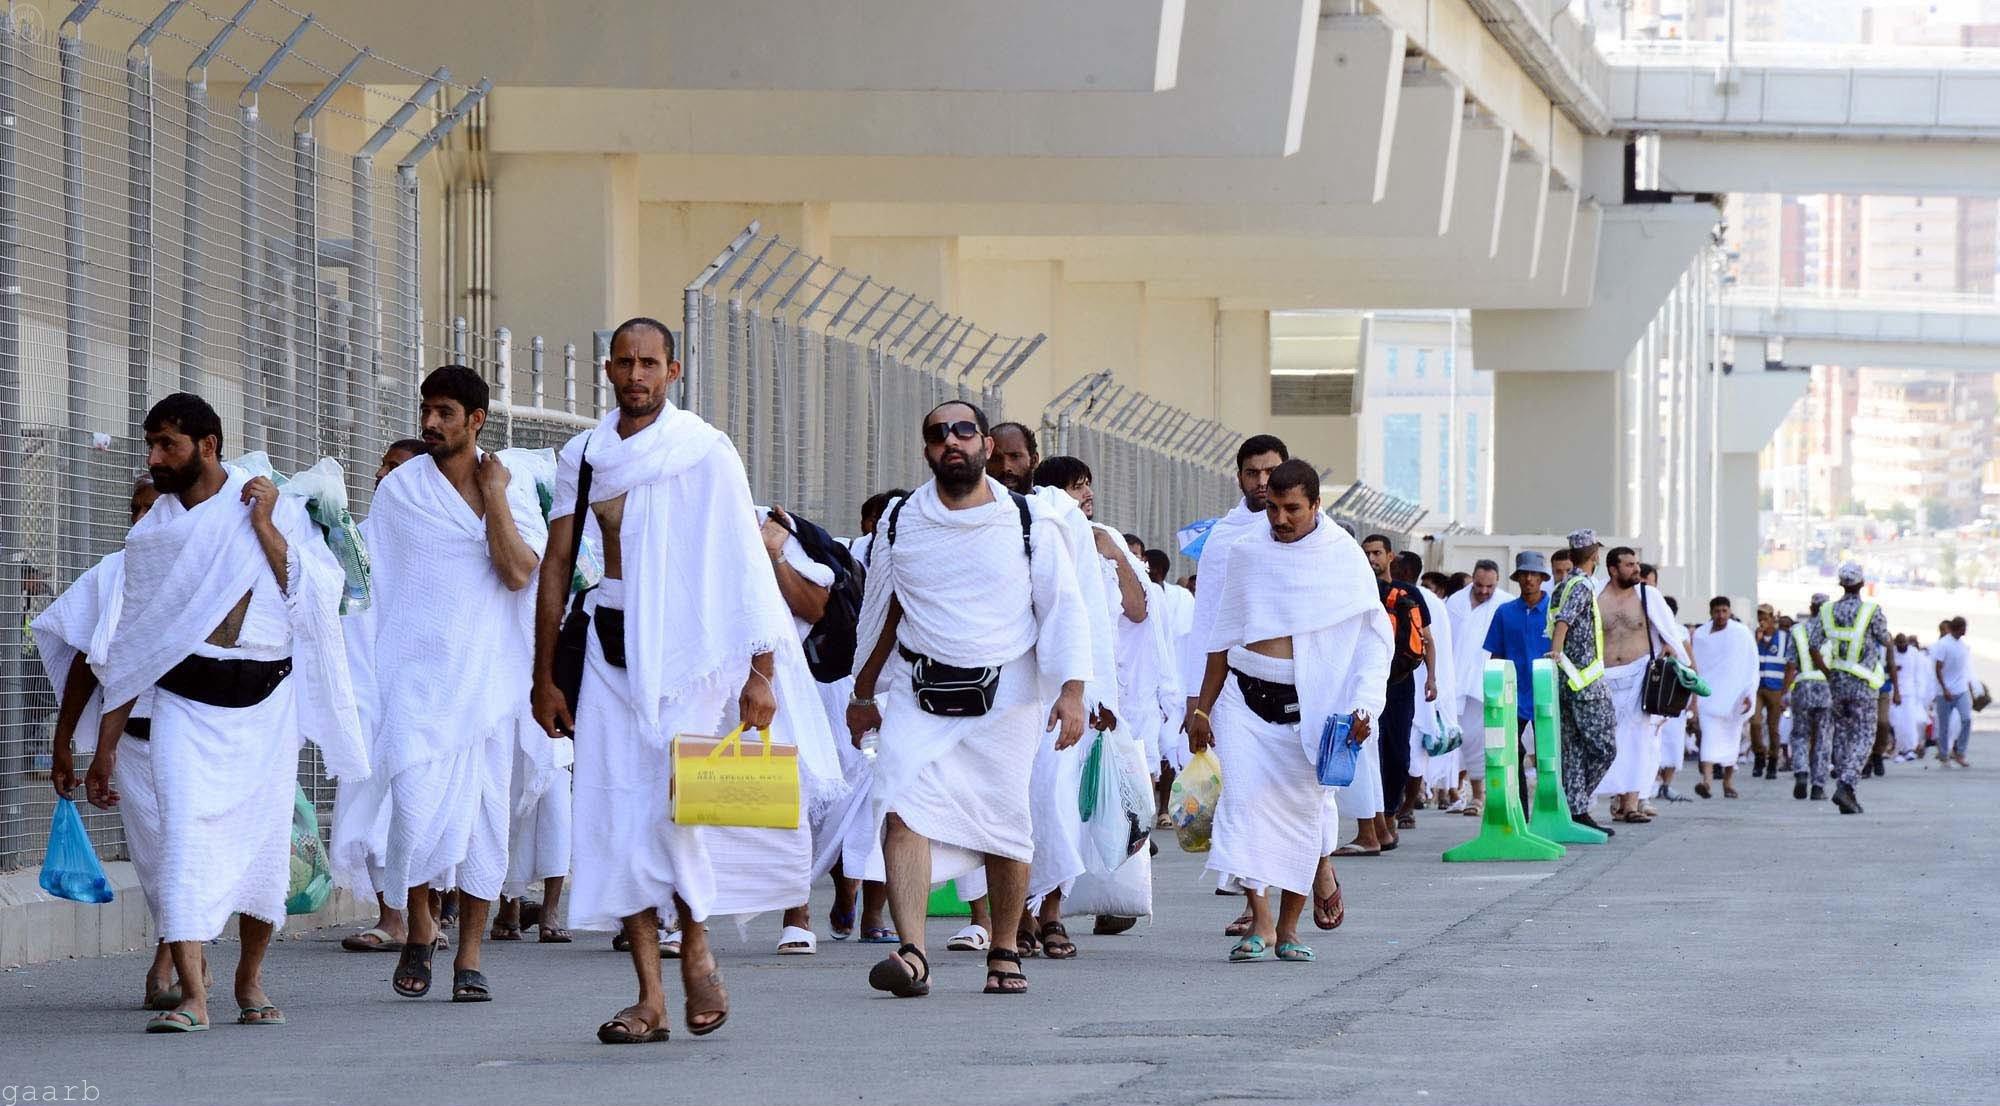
[
  {"x": 1852, "y": 725},
  {"x": 1811, "y": 744},
  {"x": 1589, "y": 743}
]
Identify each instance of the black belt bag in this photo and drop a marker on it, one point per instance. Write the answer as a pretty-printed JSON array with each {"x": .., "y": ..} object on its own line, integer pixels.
[
  {"x": 1274, "y": 702},
  {"x": 610, "y": 626},
  {"x": 949, "y": 691},
  {"x": 225, "y": 683},
  {"x": 141, "y": 728}
]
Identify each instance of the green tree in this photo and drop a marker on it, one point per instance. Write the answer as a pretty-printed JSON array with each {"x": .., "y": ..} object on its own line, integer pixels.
[
  {"x": 1938, "y": 514},
  {"x": 1948, "y": 566}
]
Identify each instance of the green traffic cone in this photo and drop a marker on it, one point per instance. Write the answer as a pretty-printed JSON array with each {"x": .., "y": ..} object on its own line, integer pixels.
[
  {"x": 1503, "y": 832},
  {"x": 1551, "y": 808}
]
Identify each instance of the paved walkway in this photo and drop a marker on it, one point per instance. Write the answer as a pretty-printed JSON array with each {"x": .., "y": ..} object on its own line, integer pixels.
[{"x": 1762, "y": 950}]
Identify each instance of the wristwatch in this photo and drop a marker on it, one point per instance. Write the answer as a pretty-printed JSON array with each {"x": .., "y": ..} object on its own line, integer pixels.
[{"x": 854, "y": 700}]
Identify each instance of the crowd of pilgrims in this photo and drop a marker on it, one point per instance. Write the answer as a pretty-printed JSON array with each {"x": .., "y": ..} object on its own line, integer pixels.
[{"x": 954, "y": 687}]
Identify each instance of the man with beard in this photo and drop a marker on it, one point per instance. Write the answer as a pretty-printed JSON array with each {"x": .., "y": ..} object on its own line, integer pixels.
[
  {"x": 682, "y": 640},
  {"x": 1299, "y": 639},
  {"x": 973, "y": 599},
  {"x": 455, "y": 543},
  {"x": 1470, "y": 611},
  {"x": 1015, "y": 457},
  {"x": 1637, "y": 625},
  {"x": 227, "y": 588},
  {"x": 1726, "y": 653}
]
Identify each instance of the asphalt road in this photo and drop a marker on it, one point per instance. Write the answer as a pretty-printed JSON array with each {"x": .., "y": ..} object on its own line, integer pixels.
[{"x": 1760, "y": 950}]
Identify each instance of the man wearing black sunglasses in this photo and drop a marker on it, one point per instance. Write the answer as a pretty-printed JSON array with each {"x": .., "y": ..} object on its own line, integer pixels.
[{"x": 976, "y": 601}]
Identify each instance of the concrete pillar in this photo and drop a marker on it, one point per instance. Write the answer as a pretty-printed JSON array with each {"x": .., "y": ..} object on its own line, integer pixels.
[
  {"x": 1738, "y": 540},
  {"x": 1555, "y": 452},
  {"x": 566, "y": 245}
]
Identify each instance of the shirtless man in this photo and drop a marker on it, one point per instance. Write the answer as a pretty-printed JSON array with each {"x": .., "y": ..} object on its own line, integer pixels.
[{"x": 1637, "y": 625}]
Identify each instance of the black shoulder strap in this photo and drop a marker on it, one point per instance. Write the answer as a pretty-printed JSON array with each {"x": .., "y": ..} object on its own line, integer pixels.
[
  {"x": 1646, "y": 615},
  {"x": 895, "y": 513},
  {"x": 578, "y": 519},
  {"x": 1027, "y": 525}
]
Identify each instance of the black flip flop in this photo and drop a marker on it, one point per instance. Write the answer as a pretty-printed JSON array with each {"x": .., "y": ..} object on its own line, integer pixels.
[
  {"x": 893, "y": 974},
  {"x": 469, "y": 985},
  {"x": 997, "y": 979},
  {"x": 1049, "y": 947},
  {"x": 414, "y": 963}
]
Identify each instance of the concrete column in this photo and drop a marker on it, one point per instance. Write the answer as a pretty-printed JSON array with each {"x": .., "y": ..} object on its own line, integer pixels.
[
  {"x": 1555, "y": 444},
  {"x": 1737, "y": 534},
  {"x": 566, "y": 245}
]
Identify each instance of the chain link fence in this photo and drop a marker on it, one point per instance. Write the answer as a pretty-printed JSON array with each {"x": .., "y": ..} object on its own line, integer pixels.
[{"x": 155, "y": 238}]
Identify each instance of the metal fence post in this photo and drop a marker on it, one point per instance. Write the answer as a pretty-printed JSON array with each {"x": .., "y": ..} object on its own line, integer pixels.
[
  {"x": 503, "y": 367},
  {"x": 309, "y": 385},
  {"x": 569, "y": 378},
  {"x": 193, "y": 156},
  {"x": 139, "y": 240},
  {"x": 73, "y": 548},
  {"x": 600, "y": 352},
  {"x": 14, "y": 663}
]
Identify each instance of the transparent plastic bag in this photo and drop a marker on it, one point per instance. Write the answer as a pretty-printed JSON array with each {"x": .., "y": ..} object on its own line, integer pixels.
[
  {"x": 312, "y": 876},
  {"x": 1116, "y": 802},
  {"x": 70, "y": 869},
  {"x": 1191, "y": 805}
]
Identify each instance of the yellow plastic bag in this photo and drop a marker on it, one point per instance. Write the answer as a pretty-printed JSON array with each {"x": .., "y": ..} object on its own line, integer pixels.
[
  {"x": 718, "y": 782},
  {"x": 1192, "y": 804}
]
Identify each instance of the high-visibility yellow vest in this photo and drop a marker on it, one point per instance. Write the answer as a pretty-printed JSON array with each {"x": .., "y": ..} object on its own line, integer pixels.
[
  {"x": 1807, "y": 670},
  {"x": 1578, "y": 678},
  {"x": 1848, "y": 642}
]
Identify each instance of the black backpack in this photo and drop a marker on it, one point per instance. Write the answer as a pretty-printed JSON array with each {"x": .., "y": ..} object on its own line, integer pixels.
[{"x": 830, "y": 646}]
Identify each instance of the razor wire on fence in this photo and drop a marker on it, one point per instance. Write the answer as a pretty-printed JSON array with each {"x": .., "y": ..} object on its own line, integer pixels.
[
  {"x": 154, "y": 239},
  {"x": 1156, "y": 467},
  {"x": 822, "y": 376}
]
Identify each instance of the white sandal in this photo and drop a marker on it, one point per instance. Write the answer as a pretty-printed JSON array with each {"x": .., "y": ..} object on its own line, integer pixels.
[
  {"x": 795, "y": 941},
  {"x": 970, "y": 939},
  {"x": 670, "y": 945}
]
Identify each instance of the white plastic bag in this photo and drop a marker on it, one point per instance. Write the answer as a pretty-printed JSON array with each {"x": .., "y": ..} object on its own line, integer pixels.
[
  {"x": 1125, "y": 893},
  {"x": 1121, "y": 820},
  {"x": 324, "y": 489}
]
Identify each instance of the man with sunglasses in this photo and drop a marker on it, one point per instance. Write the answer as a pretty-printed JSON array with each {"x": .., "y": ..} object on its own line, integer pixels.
[{"x": 973, "y": 600}]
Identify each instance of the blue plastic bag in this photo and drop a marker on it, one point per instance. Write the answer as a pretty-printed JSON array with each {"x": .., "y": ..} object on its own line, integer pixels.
[
  {"x": 70, "y": 869},
  {"x": 1337, "y": 755}
]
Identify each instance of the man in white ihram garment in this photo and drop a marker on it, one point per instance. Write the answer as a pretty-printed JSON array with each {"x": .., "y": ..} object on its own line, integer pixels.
[
  {"x": 458, "y": 541},
  {"x": 972, "y": 604},
  {"x": 1725, "y": 651},
  {"x": 231, "y": 615},
  {"x": 360, "y": 834},
  {"x": 1300, "y": 637},
  {"x": 1638, "y": 625},
  {"x": 1434, "y": 717},
  {"x": 1111, "y": 592},
  {"x": 682, "y": 640},
  {"x": 80, "y": 619},
  {"x": 1470, "y": 611}
]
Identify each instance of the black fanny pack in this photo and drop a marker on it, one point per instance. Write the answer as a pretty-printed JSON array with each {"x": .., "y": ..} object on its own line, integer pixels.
[
  {"x": 141, "y": 728},
  {"x": 225, "y": 683},
  {"x": 1274, "y": 702},
  {"x": 948, "y": 690},
  {"x": 609, "y": 623}
]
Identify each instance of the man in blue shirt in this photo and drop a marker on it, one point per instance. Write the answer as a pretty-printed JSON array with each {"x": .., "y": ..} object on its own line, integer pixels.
[
  {"x": 1775, "y": 669},
  {"x": 1520, "y": 635}
]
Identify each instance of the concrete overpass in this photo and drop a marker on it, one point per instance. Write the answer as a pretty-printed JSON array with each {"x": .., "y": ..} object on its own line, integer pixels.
[{"x": 1809, "y": 327}]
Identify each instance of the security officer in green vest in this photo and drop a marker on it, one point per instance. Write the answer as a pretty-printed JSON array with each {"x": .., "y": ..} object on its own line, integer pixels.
[
  {"x": 1576, "y": 644},
  {"x": 1811, "y": 745},
  {"x": 1858, "y": 662}
]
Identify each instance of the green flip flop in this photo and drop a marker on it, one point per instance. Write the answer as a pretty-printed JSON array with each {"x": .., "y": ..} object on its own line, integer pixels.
[
  {"x": 176, "y": 1021},
  {"x": 260, "y": 1015},
  {"x": 1248, "y": 949},
  {"x": 1295, "y": 953}
]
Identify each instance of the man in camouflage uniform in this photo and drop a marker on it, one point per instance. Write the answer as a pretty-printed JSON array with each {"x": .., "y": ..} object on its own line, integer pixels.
[
  {"x": 1589, "y": 721},
  {"x": 1858, "y": 660},
  {"x": 1811, "y": 746}
]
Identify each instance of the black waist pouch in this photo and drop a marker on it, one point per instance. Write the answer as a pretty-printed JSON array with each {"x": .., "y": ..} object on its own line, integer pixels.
[
  {"x": 949, "y": 691},
  {"x": 610, "y": 625},
  {"x": 1274, "y": 702},
  {"x": 225, "y": 683}
]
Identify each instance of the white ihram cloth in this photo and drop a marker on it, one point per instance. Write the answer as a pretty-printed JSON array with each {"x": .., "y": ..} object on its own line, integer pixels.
[
  {"x": 1434, "y": 716},
  {"x": 79, "y": 621},
  {"x": 694, "y": 619},
  {"x": 1468, "y": 640},
  {"x": 1727, "y": 659},
  {"x": 1274, "y": 821},
  {"x": 1638, "y": 733},
  {"x": 538, "y": 837},
  {"x": 1916, "y": 678},
  {"x": 225, "y": 777},
  {"x": 1058, "y": 773},
  {"x": 453, "y": 647},
  {"x": 1156, "y": 700},
  {"x": 360, "y": 835},
  {"x": 1179, "y": 624},
  {"x": 970, "y": 598}
]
